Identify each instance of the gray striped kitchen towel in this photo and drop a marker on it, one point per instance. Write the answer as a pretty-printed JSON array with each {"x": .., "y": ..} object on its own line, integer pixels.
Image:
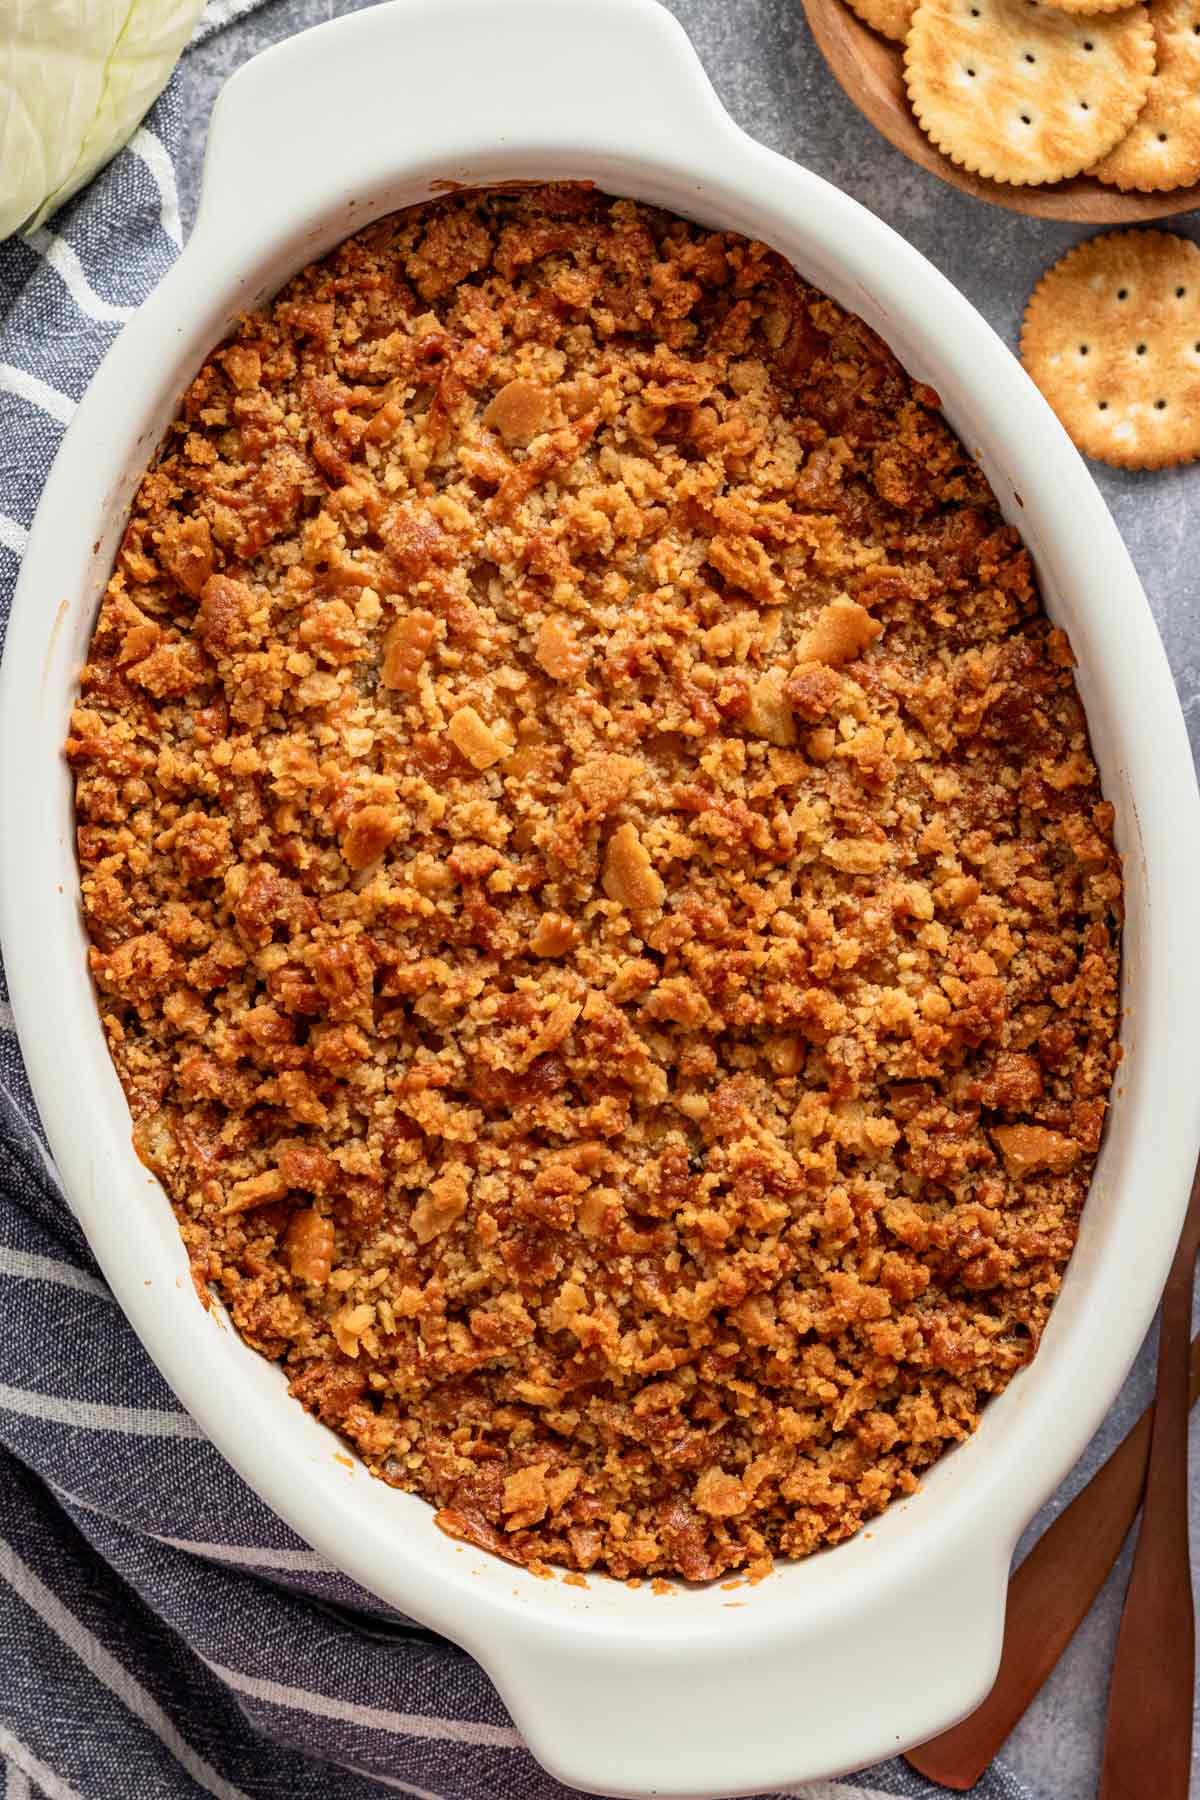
[{"x": 161, "y": 1632}]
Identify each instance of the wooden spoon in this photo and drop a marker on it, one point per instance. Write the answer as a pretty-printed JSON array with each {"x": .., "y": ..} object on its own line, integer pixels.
[
  {"x": 1148, "y": 1744},
  {"x": 1049, "y": 1596},
  {"x": 871, "y": 70}
]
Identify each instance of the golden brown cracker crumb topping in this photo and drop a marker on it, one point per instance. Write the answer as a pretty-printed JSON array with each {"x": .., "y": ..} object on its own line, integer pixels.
[{"x": 599, "y": 893}]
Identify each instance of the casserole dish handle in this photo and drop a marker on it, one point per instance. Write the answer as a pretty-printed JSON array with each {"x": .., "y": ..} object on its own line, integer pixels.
[
  {"x": 544, "y": 76},
  {"x": 713, "y": 1700}
]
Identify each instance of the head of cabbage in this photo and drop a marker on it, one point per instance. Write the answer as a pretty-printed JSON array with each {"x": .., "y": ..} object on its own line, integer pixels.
[{"x": 76, "y": 77}]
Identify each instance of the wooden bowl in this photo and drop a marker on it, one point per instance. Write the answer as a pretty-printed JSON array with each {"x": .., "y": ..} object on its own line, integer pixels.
[{"x": 871, "y": 70}]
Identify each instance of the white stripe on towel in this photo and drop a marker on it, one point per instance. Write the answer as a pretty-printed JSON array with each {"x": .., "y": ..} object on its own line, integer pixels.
[
  {"x": 222, "y": 12},
  {"x": 152, "y": 151},
  {"x": 390, "y": 1781},
  {"x": 25, "y": 1265},
  {"x": 253, "y": 1556},
  {"x": 93, "y": 1415},
  {"x": 834, "y": 1790},
  {"x": 64, "y": 261},
  {"x": 14, "y": 537},
  {"x": 35, "y": 1138},
  {"x": 48, "y": 1783},
  {"x": 376, "y": 1718},
  {"x": 250, "y": 1556},
  {"x": 16, "y": 1783},
  {"x": 99, "y": 1662},
  {"x": 37, "y": 392}
]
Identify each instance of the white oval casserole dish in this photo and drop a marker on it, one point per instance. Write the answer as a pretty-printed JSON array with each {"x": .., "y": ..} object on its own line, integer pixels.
[{"x": 859, "y": 1652}]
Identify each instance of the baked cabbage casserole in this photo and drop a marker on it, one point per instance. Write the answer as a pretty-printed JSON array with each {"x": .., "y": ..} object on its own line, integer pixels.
[{"x": 599, "y": 894}]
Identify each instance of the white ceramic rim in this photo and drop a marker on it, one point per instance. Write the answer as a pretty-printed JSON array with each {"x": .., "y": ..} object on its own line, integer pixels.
[{"x": 851, "y": 1656}]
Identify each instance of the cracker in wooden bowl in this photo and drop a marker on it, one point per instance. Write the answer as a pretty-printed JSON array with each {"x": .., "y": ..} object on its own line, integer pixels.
[
  {"x": 1162, "y": 147},
  {"x": 890, "y": 18},
  {"x": 1112, "y": 337},
  {"x": 1086, "y": 8},
  {"x": 1022, "y": 92}
]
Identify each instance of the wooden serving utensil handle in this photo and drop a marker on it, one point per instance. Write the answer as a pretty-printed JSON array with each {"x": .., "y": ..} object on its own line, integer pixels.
[
  {"x": 1148, "y": 1743},
  {"x": 1048, "y": 1598}
]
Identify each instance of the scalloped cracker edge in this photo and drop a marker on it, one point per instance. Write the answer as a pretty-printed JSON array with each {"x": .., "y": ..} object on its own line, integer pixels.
[
  {"x": 1161, "y": 150},
  {"x": 1025, "y": 93},
  {"x": 890, "y": 18}
]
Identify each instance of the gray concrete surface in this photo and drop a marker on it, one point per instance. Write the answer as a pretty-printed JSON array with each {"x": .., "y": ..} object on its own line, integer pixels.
[{"x": 771, "y": 77}]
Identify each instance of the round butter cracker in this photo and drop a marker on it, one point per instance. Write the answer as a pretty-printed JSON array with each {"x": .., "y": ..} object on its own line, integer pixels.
[
  {"x": 890, "y": 18},
  {"x": 1023, "y": 92},
  {"x": 1112, "y": 337},
  {"x": 1086, "y": 8},
  {"x": 1162, "y": 147}
]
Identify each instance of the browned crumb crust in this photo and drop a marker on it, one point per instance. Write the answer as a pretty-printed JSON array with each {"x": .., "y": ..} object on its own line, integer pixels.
[{"x": 599, "y": 893}]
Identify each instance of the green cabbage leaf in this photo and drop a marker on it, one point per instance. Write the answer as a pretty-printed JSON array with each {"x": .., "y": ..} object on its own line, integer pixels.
[{"x": 76, "y": 78}]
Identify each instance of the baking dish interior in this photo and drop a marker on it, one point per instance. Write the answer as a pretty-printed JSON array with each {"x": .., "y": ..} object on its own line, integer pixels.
[{"x": 240, "y": 1371}]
